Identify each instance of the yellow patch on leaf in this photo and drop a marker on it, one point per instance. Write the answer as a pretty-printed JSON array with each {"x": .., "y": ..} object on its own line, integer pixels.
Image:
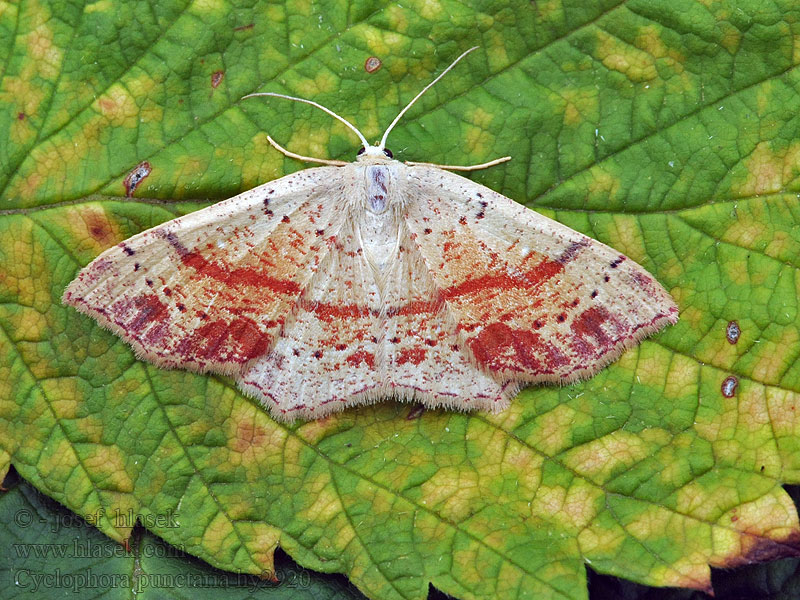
[
  {"x": 397, "y": 18},
  {"x": 24, "y": 258},
  {"x": 731, "y": 37},
  {"x": 57, "y": 460},
  {"x": 118, "y": 106},
  {"x": 653, "y": 521},
  {"x": 549, "y": 9},
  {"x": 218, "y": 533},
  {"x": 5, "y": 463},
  {"x": 44, "y": 53},
  {"x": 769, "y": 171},
  {"x": 91, "y": 227},
  {"x": 65, "y": 396},
  {"x": 616, "y": 55},
  {"x": 325, "y": 507},
  {"x": 580, "y": 505},
  {"x": 209, "y": 7},
  {"x": 324, "y": 82},
  {"x": 691, "y": 572},
  {"x": 509, "y": 418},
  {"x": 597, "y": 459},
  {"x": 478, "y": 140},
  {"x": 310, "y": 140},
  {"x": 99, "y": 6},
  {"x": 580, "y": 105},
  {"x": 784, "y": 412},
  {"x": 383, "y": 43},
  {"x": 553, "y": 430},
  {"x": 771, "y": 360},
  {"x": 107, "y": 464},
  {"x": 604, "y": 184},
  {"x": 452, "y": 492},
  {"x": 262, "y": 539},
  {"x": 429, "y": 10},
  {"x": 681, "y": 375},
  {"x": 625, "y": 235},
  {"x": 496, "y": 54},
  {"x": 596, "y": 539},
  {"x": 650, "y": 41},
  {"x": 524, "y": 467}
]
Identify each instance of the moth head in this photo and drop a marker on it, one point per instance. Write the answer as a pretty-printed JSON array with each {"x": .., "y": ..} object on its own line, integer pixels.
[{"x": 373, "y": 152}]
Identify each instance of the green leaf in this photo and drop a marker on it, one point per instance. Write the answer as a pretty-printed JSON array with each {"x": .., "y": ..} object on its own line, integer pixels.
[
  {"x": 48, "y": 552},
  {"x": 664, "y": 129}
]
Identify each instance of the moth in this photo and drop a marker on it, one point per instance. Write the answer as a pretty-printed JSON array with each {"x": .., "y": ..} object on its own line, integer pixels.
[{"x": 344, "y": 284}]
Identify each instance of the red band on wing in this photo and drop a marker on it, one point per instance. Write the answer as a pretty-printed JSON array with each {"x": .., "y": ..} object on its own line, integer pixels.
[
  {"x": 539, "y": 274},
  {"x": 241, "y": 276}
]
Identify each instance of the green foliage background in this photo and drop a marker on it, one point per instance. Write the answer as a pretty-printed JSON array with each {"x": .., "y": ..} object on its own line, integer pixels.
[{"x": 668, "y": 130}]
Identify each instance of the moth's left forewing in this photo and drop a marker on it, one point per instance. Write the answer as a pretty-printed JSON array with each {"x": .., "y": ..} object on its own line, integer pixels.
[{"x": 534, "y": 300}]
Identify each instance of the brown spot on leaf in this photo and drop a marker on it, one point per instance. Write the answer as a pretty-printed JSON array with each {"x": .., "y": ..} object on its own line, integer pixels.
[
  {"x": 248, "y": 435},
  {"x": 136, "y": 176},
  {"x": 732, "y": 332},
  {"x": 372, "y": 64},
  {"x": 99, "y": 228},
  {"x": 759, "y": 549},
  {"x": 216, "y": 78},
  {"x": 729, "y": 385},
  {"x": 244, "y": 27},
  {"x": 415, "y": 412},
  {"x": 21, "y": 116}
]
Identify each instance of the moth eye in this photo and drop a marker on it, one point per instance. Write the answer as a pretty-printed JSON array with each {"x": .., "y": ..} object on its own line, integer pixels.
[
  {"x": 388, "y": 153},
  {"x": 361, "y": 151}
]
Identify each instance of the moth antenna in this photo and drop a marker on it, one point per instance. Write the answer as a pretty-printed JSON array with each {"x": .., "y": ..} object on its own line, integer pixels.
[
  {"x": 382, "y": 145},
  {"x": 319, "y": 106},
  {"x": 485, "y": 165}
]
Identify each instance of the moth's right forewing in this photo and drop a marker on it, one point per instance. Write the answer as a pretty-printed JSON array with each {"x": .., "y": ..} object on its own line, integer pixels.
[{"x": 209, "y": 291}]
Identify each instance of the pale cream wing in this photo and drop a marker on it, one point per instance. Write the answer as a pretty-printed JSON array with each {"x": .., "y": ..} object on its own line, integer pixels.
[
  {"x": 211, "y": 290},
  {"x": 328, "y": 355},
  {"x": 425, "y": 356},
  {"x": 533, "y": 299},
  {"x": 360, "y": 334}
]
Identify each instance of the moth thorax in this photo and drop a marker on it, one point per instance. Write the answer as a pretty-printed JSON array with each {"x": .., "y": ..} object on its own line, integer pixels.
[{"x": 378, "y": 181}]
